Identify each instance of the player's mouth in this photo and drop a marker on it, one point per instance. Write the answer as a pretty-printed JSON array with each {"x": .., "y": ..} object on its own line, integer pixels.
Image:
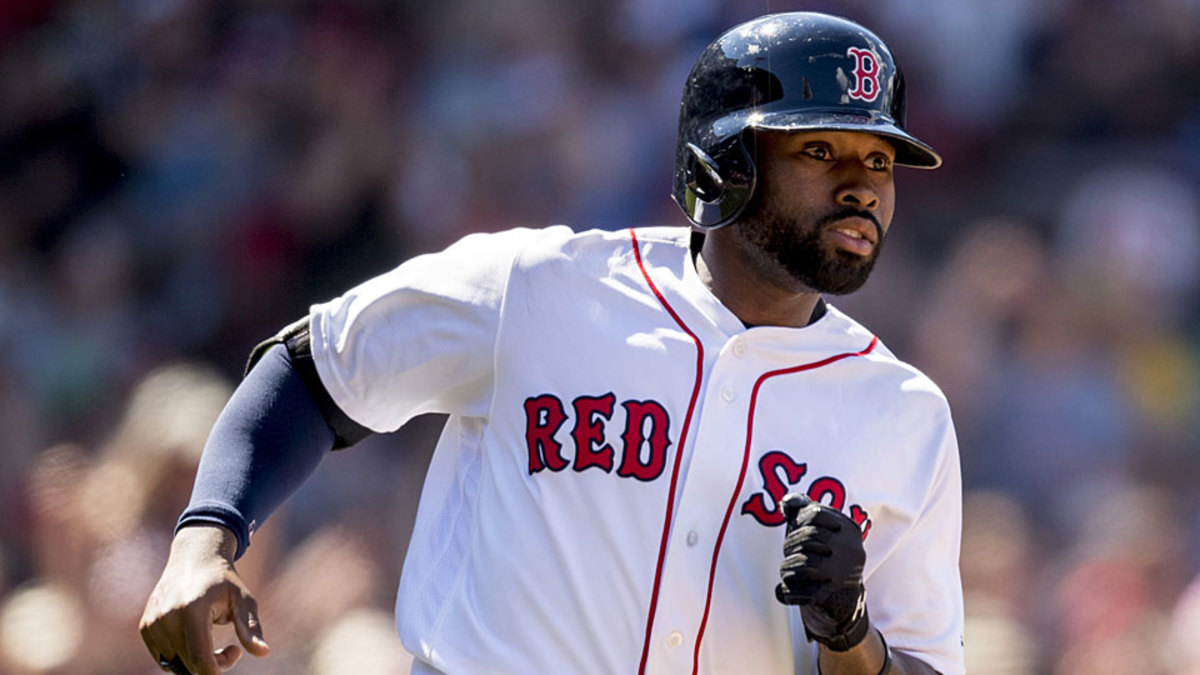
[{"x": 855, "y": 234}]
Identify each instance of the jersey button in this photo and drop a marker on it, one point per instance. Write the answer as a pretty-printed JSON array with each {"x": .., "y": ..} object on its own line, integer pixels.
[
  {"x": 727, "y": 393},
  {"x": 674, "y": 639},
  {"x": 692, "y": 538},
  {"x": 739, "y": 349}
]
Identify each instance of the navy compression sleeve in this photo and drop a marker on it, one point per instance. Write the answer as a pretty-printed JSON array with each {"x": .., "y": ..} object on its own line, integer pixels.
[{"x": 267, "y": 441}]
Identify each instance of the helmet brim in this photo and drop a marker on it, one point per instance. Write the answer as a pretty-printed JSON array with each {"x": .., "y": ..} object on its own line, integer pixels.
[{"x": 909, "y": 150}]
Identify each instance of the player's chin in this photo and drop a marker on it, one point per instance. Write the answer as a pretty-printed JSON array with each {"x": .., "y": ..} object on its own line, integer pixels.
[{"x": 842, "y": 273}]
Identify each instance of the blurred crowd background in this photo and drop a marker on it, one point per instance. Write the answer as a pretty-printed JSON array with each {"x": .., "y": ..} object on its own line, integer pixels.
[{"x": 180, "y": 178}]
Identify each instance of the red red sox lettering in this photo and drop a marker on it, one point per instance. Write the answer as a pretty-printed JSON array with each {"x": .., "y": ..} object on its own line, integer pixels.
[
  {"x": 779, "y": 472},
  {"x": 545, "y": 415},
  {"x": 643, "y": 453}
]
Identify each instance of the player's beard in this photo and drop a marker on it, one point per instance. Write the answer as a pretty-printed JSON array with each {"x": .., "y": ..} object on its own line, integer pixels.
[{"x": 800, "y": 250}]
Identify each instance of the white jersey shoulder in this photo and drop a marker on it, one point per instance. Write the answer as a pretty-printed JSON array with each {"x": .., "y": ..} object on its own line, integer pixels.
[{"x": 380, "y": 346}]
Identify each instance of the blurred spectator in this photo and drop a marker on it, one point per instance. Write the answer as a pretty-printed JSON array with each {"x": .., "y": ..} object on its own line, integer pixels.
[
  {"x": 363, "y": 641},
  {"x": 1120, "y": 582},
  {"x": 26, "y": 646},
  {"x": 999, "y": 567},
  {"x": 1183, "y": 649},
  {"x": 1129, "y": 237}
]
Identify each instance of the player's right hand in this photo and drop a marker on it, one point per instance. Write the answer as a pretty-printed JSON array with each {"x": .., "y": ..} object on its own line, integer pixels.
[
  {"x": 200, "y": 587},
  {"x": 822, "y": 572}
]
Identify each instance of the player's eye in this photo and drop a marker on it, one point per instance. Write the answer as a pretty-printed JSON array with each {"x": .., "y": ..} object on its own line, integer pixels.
[
  {"x": 820, "y": 152},
  {"x": 879, "y": 162}
]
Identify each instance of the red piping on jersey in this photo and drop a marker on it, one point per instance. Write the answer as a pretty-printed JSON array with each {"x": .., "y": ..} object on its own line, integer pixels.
[
  {"x": 687, "y": 421},
  {"x": 712, "y": 571}
]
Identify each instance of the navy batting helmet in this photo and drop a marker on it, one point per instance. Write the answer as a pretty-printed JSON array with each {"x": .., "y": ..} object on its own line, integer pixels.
[{"x": 784, "y": 72}]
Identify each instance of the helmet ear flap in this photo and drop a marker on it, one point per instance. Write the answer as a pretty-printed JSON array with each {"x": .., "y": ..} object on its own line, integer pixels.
[
  {"x": 716, "y": 186},
  {"x": 703, "y": 175}
]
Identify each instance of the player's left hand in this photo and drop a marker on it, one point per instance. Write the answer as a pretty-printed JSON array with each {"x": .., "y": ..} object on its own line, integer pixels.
[
  {"x": 822, "y": 572},
  {"x": 199, "y": 588}
]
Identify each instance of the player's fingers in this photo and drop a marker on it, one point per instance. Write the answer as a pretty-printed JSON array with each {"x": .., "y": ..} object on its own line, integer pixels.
[
  {"x": 164, "y": 636},
  {"x": 795, "y": 577},
  {"x": 227, "y": 656},
  {"x": 805, "y": 579},
  {"x": 812, "y": 515},
  {"x": 781, "y": 594},
  {"x": 160, "y": 650},
  {"x": 174, "y": 665},
  {"x": 801, "y": 536},
  {"x": 197, "y": 651},
  {"x": 248, "y": 627},
  {"x": 786, "y": 595},
  {"x": 813, "y": 548},
  {"x": 792, "y": 503},
  {"x": 829, "y": 518},
  {"x": 151, "y": 637}
]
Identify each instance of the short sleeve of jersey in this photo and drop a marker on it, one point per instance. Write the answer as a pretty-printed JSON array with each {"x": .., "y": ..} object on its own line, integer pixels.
[{"x": 421, "y": 337}]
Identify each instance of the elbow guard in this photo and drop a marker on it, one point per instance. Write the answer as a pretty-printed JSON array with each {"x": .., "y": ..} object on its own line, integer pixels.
[{"x": 297, "y": 340}]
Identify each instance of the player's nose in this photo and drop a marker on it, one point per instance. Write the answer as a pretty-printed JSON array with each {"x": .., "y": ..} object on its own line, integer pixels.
[
  {"x": 857, "y": 185},
  {"x": 859, "y": 194}
]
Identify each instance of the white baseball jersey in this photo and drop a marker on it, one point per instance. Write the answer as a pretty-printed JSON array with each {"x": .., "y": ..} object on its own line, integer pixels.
[{"x": 605, "y": 495}]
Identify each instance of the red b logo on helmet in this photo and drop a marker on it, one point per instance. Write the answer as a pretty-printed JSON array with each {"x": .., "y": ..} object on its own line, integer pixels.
[{"x": 866, "y": 75}]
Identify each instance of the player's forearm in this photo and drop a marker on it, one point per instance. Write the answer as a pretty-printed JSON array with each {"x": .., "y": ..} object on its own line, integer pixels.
[
  {"x": 865, "y": 658},
  {"x": 868, "y": 658},
  {"x": 267, "y": 441},
  {"x": 903, "y": 664}
]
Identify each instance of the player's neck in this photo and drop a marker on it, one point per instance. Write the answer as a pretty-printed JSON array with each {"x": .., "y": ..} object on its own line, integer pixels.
[{"x": 746, "y": 291}]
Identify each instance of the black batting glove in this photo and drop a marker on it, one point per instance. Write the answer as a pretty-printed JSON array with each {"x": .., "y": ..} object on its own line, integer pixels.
[{"x": 822, "y": 572}]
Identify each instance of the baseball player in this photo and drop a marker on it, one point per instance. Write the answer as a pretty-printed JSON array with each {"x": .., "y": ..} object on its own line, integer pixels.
[{"x": 665, "y": 451}]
